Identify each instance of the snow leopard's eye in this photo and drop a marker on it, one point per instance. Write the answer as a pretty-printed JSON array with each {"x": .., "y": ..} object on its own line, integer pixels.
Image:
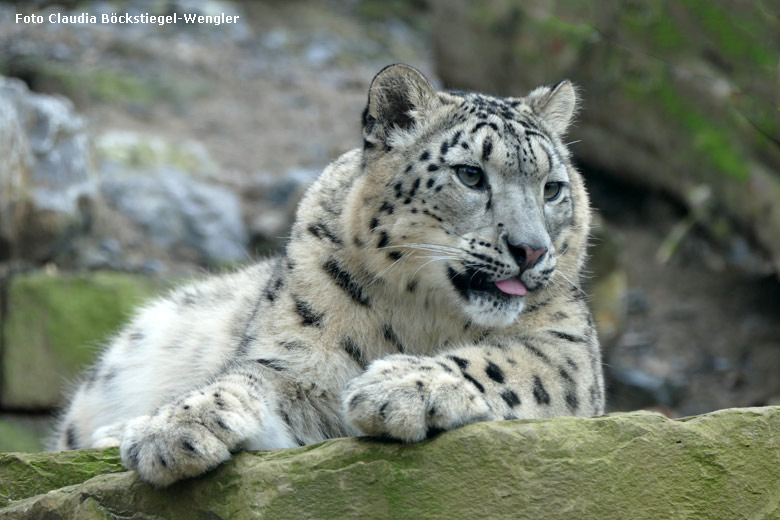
[
  {"x": 471, "y": 176},
  {"x": 552, "y": 190}
]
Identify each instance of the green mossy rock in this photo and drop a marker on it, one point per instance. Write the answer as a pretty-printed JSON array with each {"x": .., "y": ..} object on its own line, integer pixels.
[
  {"x": 88, "y": 83},
  {"x": 130, "y": 152},
  {"x": 53, "y": 327},
  {"x": 638, "y": 465},
  {"x": 29, "y": 474},
  {"x": 15, "y": 436}
]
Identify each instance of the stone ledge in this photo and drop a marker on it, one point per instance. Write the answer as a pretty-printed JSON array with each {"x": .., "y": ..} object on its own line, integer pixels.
[{"x": 637, "y": 465}]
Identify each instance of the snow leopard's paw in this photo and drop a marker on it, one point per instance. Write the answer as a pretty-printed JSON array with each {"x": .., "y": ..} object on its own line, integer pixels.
[
  {"x": 188, "y": 437},
  {"x": 410, "y": 398}
]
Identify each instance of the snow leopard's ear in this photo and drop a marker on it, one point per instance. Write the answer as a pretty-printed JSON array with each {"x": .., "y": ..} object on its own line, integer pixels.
[
  {"x": 398, "y": 96},
  {"x": 555, "y": 105}
]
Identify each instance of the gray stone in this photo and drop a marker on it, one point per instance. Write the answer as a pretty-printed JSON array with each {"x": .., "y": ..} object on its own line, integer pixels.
[
  {"x": 177, "y": 211},
  {"x": 45, "y": 173},
  {"x": 167, "y": 190}
]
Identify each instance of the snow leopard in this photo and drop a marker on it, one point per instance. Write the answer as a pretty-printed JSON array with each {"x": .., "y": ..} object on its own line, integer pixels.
[{"x": 432, "y": 279}]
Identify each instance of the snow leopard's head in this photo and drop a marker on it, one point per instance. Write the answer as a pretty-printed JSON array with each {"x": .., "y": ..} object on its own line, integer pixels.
[{"x": 474, "y": 196}]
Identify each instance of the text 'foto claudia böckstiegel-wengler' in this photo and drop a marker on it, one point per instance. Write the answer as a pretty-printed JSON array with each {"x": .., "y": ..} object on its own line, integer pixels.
[{"x": 126, "y": 18}]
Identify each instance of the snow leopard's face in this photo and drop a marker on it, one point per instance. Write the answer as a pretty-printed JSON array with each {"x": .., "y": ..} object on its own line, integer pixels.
[{"x": 482, "y": 196}]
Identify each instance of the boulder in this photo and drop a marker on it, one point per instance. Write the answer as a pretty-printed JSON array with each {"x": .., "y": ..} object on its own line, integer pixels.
[
  {"x": 167, "y": 190},
  {"x": 53, "y": 327},
  {"x": 53, "y": 198},
  {"x": 637, "y": 465},
  {"x": 679, "y": 98},
  {"x": 45, "y": 176}
]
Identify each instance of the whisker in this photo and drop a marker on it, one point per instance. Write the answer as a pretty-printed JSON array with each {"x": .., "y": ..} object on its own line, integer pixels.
[
  {"x": 426, "y": 263},
  {"x": 425, "y": 247},
  {"x": 453, "y": 232},
  {"x": 438, "y": 247},
  {"x": 577, "y": 287},
  {"x": 479, "y": 269},
  {"x": 378, "y": 276}
]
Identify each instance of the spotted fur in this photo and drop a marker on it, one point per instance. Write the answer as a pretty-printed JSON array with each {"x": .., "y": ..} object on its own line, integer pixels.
[{"x": 383, "y": 315}]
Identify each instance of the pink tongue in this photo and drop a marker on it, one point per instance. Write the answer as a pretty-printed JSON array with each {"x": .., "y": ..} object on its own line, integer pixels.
[{"x": 512, "y": 286}]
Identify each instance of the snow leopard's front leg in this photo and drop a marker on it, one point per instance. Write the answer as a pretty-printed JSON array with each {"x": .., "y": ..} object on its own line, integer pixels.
[
  {"x": 199, "y": 430},
  {"x": 409, "y": 398}
]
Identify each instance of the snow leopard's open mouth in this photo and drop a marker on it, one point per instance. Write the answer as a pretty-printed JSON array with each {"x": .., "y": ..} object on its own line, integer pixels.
[{"x": 473, "y": 282}]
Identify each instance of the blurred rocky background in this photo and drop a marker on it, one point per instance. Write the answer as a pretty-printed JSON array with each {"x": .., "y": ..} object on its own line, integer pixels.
[{"x": 134, "y": 157}]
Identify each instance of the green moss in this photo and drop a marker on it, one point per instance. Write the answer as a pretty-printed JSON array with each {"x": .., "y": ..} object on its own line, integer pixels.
[
  {"x": 732, "y": 33},
  {"x": 143, "y": 152},
  {"x": 484, "y": 15},
  {"x": 54, "y": 325},
  {"x": 15, "y": 437},
  {"x": 113, "y": 86},
  {"x": 24, "y": 475},
  {"x": 539, "y": 42},
  {"x": 720, "y": 465},
  {"x": 758, "y": 118},
  {"x": 710, "y": 144},
  {"x": 575, "y": 33},
  {"x": 101, "y": 84},
  {"x": 666, "y": 35},
  {"x": 379, "y": 10},
  {"x": 109, "y": 85},
  {"x": 713, "y": 144}
]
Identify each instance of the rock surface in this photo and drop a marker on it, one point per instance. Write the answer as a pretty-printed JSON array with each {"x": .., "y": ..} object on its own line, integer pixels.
[
  {"x": 53, "y": 327},
  {"x": 53, "y": 198},
  {"x": 45, "y": 174},
  {"x": 638, "y": 465},
  {"x": 162, "y": 187},
  {"x": 16, "y": 434},
  {"x": 27, "y": 474}
]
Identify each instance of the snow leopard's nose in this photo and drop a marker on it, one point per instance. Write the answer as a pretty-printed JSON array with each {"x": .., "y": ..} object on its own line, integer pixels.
[{"x": 526, "y": 255}]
